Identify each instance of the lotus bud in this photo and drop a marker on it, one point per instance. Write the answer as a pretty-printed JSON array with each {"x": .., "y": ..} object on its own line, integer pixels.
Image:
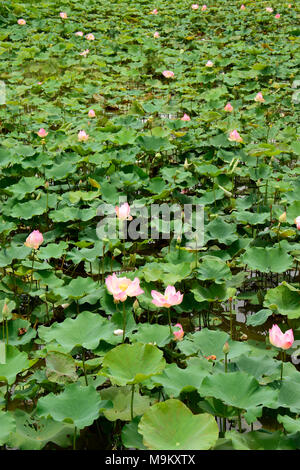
[
  {"x": 282, "y": 217},
  {"x": 226, "y": 348},
  {"x": 5, "y": 309}
]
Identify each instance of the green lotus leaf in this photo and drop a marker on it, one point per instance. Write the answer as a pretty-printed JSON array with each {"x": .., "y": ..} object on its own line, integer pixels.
[
  {"x": 267, "y": 259},
  {"x": 131, "y": 438},
  {"x": 176, "y": 380},
  {"x": 121, "y": 400},
  {"x": 170, "y": 425},
  {"x": 34, "y": 433},
  {"x": 265, "y": 366},
  {"x": 86, "y": 330},
  {"x": 260, "y": 440},
  {"x": 7, "y": 426},
  {"x": 259, "y": 318},
  {"x": 290, "y": 425},
  {"x": 289, "y": 393},
  {"x": 60, "y": 368},
  {"x": 156, "y": 334},
  {"x": 19, "y": 332},
  {"x": 240, "y": 390},
  {"x": 79, "y": 405},
  {"x": 132, "y": 363},
  {"x": 283, "y": 300},
  {"x": 16, "y": 362},
  {"x": 76, "y": 288},
  {"x": 222, "y": 231},
  {"x": 210, "y": 343},
  {"x": 214, "y": 269}
]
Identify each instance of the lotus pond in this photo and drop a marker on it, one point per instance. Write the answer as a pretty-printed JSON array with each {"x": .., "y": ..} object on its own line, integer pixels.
[{"x": 153, "y": 337}]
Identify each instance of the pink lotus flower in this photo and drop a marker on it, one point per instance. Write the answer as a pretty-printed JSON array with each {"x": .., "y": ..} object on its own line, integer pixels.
[
  {"x": 34, "y": 240},
  {"x": 234, "y": 136},
  {"x": 169, "y": 298},
  {"x": 277, "y": 16},
  {"x": 91, "y": 113},
  {"x": 297, "y": 222},
  {"x": 209, "y": 63},
  {"x": 259, "y": 98},
  {"x": 156, "y": 34},
  {"x": 123, "y": 212},
  {"x": 168, "y": 73},
  {"x": 85, "y": 52},
  {"x": 243, "y": 7},
  {"x": 195, "y": 6},
  {"x": 82, "y": 136},
  {"x": 178, "y": 334},
  {"x": 204, "y": 7},
  {"x": 279, "y": 339},
  {"x": 185, "y": 117},
  {"x": 79, "y": 33},
  {"x": 154, "y": 12},
  {"x": 122, "y": 287},
  {"x": 269, "y": 10},
  {"x": 21, "y": 21},
  {"x": 42, "y": 133},
  {"x": 63, "y": 15},
  {"x": 228, "y": 108},
  {"x": 90, "y": 37}
]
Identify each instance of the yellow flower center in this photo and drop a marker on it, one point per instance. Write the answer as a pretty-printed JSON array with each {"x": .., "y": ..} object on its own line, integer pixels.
[{"x": 123, "y": 286}]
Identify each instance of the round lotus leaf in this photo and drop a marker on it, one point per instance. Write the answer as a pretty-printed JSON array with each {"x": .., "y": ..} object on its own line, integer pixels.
[
  {"x": 170, "y": 425},
  {"x": 76, "y": 404},
  {"x": 132, "y": 363}
]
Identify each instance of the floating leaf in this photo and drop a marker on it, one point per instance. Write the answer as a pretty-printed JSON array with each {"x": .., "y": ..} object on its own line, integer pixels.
[{"x": 170, "y": 425}]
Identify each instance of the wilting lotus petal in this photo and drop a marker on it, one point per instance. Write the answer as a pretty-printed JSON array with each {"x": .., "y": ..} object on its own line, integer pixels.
[
  {"x": 34, "y": 240},
  {"x": 169, "y": 298},
  {"x": 279, "y": 339},
  {"x": 122, "y": 287}
]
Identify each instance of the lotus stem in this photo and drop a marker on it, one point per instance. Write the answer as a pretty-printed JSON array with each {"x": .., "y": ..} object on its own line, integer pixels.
[
  {"x": 169, "y": 316},
  {"x": 124, "y": 322},
  {"x": 131, "y": 402}
]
